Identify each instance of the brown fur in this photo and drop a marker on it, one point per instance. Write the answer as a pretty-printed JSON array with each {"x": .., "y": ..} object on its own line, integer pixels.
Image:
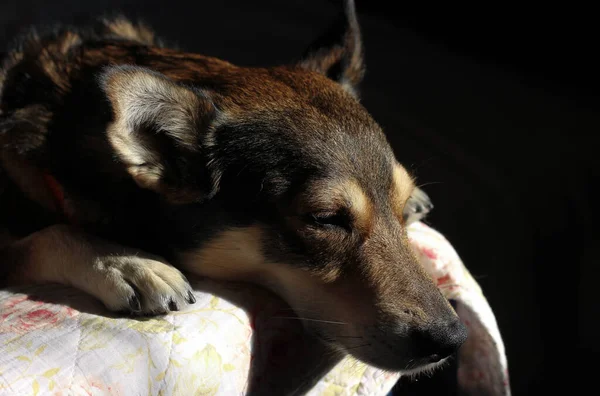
[{"x": 276, "y": 176}]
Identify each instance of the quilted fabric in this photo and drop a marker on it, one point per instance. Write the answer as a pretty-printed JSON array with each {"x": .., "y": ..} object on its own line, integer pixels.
[{"x": 55, "y": 340}]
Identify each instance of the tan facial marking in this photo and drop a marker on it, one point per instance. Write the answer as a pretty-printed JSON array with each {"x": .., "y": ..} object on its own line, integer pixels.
[
  {"x": 360, "y": 205},
  {"x": 342, "y": 299},
  {"x": 345, "y": 195},
  {"x": 402, "y": 187},
  {"x": 234, "y": 254}
]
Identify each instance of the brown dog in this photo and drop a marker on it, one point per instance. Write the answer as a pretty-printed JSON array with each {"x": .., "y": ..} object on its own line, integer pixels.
[{"x": 113, "y": 146}]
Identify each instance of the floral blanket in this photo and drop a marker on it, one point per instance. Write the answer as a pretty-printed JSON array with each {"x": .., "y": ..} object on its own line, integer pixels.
[{"x": 56, "y": 340}]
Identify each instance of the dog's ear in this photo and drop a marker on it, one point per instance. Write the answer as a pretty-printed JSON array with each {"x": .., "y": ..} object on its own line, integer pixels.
[
  {"x": 158, "y": 130},
  {"x": 339, "y": 53}
]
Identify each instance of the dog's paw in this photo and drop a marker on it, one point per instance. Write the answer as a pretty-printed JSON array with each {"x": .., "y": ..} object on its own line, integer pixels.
[
  {"x": 417, "y": 207},
  {"x": 141, "y": 286}
]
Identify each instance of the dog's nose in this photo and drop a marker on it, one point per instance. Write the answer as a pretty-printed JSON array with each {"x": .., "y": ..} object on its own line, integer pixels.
[
  {"x": 448, "y": 337},
  {"x": 442, "y": 339}
]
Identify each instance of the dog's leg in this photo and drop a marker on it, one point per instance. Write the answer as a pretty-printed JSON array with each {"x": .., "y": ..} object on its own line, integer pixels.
[{"x": 123, "y": 279}]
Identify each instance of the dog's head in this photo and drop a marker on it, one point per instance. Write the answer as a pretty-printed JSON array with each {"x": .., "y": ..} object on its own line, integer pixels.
[{"x": 314, "y": 195}]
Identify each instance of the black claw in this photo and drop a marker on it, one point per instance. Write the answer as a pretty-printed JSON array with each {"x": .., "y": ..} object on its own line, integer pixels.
[
  {"x": 173, "y": 305},
  {"x": 191, "y": 299},
  {"x": 134, "y": 303}
]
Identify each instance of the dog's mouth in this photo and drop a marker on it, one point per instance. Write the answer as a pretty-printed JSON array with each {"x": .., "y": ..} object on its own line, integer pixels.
[
  {"x": 392, "y": 353},
  {"x": 371, "y": 325},
  {"x": 423, "y": 368},
  {"x": 404, "y": 366}
]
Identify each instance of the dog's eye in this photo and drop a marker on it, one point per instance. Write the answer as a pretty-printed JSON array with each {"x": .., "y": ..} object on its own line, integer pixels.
[{"x": 331, "y": 219}]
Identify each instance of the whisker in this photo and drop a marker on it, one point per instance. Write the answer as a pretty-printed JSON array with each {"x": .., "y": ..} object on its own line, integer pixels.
[
  {"x": 355, "y": 367},
  {"x": 225, "y": 248},
  {"x": 415, "y": 166},
  {"x": 309, "y": 319},
  {"x": 357, "y": 346},
  {"x": 297, "y": 310},
  {"x": 428, "y": 184},
  {"x": 217, "y": 265}
]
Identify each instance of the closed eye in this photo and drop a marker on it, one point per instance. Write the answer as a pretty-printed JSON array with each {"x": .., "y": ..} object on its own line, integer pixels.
[{"x": 339, "y": 219}]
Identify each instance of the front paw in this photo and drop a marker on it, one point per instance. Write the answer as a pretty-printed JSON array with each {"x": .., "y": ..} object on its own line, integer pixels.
[{"x": 141, "y": 286}]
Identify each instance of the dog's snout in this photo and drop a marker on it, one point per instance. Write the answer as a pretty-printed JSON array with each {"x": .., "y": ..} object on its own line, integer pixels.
[{"x": 441, "y": 340}]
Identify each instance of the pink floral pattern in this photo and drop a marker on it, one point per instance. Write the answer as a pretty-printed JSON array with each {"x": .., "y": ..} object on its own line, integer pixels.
[{"x": 21, "y": 315}]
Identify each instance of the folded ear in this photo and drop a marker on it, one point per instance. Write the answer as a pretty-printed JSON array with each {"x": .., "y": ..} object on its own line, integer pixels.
[
  {"x": 339, "y": 53},
  {"x": 158, "y": 130}
]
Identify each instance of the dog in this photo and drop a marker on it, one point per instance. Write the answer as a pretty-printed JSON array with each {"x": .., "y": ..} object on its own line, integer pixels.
[{"x": 125, "y": 162}]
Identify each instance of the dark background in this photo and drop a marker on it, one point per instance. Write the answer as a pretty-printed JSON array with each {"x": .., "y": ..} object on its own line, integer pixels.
[{"x": 496, "y": 111}]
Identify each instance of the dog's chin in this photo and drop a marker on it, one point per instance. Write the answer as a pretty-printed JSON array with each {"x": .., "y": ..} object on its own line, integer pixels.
[
  {"x": 425, "y": 369},
  {"x": 411, "y": 367}
]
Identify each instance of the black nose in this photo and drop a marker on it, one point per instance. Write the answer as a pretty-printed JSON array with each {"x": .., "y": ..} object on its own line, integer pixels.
[{"x": 441, "y": 340}]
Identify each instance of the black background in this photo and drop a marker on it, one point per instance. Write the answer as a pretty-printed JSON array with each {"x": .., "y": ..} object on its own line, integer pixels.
[{"x": 495, "y": 108}]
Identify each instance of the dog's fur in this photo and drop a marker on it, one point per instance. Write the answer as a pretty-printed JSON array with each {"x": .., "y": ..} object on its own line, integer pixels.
[{"x": 276, "y": 176}]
